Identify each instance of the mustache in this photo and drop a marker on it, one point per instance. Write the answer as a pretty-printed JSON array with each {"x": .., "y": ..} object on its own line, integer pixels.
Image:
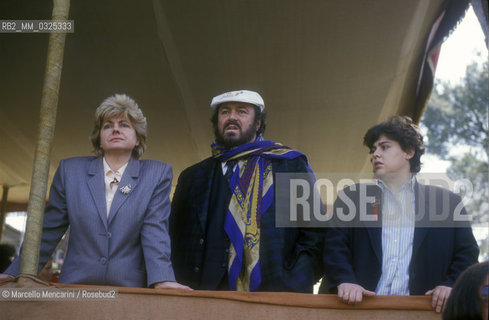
[{"x": 231, "y": 122}]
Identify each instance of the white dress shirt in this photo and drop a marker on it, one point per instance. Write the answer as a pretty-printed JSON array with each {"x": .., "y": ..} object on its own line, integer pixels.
[
  {"x": 225, "y": 167},
  {"x": 114, "y": 178},
  {"x": 397, "y": 239}
]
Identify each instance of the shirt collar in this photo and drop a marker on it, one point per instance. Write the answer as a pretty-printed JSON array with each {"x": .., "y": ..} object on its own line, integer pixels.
[
  {"x": 408, "y": 184},
  {"x": 109, "y": 171}
]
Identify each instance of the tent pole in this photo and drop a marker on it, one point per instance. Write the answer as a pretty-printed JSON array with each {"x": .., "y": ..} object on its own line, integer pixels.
[
  {"x": 3, "y": 208},
  {"x": 40, "y": 171}
]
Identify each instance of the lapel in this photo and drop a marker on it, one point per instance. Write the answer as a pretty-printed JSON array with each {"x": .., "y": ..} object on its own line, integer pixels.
[
  {"x": 422, "y": 210},
  {"x": 200, "y": 181},
  {"x": 129, "y": 179},
  {"x": 374, "y": 229},
  {"x": 96, "y": 184},
  {"x": 202, "y": 187}
]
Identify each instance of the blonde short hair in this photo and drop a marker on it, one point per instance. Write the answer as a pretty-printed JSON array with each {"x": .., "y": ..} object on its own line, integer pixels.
[{"x": 120, "y": 105}]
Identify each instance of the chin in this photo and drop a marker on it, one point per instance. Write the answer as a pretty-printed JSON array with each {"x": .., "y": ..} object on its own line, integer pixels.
[
  {"x": 378, "y": 174},
  {"x": 231, "y": 134},
  {"x": 228, "y": 143}
]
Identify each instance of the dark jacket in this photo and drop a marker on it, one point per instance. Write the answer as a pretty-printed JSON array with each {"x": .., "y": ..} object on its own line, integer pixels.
[
  {"x": 441, "y": 250},
  {"x": 289, "y": 257}
]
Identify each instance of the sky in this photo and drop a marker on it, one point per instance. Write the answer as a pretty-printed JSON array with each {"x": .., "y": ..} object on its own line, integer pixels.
[
  {"x": 464, "y": 45},
  {"x": 461, "y": 48}
]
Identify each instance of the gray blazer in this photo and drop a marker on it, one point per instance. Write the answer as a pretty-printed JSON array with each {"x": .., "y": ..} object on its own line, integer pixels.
[{"x": 129, "y": 248}]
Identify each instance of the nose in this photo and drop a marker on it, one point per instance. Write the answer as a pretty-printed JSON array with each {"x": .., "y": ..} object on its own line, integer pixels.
[
  {"x": 233, "y": 115},
  {"x": 376, "y": 153}
]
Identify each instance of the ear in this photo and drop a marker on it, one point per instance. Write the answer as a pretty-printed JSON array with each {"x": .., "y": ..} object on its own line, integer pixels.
[
  {"x": 410, "y": 153},
  {"x": 258, "y": 125}
]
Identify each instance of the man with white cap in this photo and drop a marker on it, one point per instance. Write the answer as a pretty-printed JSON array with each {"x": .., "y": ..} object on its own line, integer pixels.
[{"x": 222, "y": 223}]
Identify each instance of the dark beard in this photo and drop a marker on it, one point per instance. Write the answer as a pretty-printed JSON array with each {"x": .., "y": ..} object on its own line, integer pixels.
[{"x": 231, "y": 141}]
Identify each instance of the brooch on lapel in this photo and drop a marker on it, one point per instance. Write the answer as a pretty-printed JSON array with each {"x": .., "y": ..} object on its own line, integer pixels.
[{"x": 125, "y": 189}]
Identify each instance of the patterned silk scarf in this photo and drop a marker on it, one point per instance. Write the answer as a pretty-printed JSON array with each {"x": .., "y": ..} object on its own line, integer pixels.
[{"x": 252, "y": 194}]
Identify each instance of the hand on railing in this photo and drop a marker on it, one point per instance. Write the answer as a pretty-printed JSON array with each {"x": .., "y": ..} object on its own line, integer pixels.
[
  {"x": 439, "y": 298},
  {"x": 171, "y": 285},
  {"x": 352, "y": 293},
  {"x": 4, "y": 276}
]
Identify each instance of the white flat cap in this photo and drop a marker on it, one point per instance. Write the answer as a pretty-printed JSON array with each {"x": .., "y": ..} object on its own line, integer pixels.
[{"x": 247, "y": 96}]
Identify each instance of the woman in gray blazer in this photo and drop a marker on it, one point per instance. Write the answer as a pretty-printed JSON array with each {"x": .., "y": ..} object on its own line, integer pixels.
[{"x": 116, "y": 206}]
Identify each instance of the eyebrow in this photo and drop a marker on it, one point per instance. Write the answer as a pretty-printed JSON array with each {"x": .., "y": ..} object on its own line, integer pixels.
[{"x": 382, "y": 143}]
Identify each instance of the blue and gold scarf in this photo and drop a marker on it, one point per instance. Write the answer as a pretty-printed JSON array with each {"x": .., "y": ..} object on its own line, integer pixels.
[{"x": 251, "y": 185}]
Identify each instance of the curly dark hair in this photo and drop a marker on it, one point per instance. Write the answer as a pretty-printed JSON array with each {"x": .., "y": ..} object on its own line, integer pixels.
[
  {"x": 259, "y": 116},
  {"x": 405, "y": 132}
]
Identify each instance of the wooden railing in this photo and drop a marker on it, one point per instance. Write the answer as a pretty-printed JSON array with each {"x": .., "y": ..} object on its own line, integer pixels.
[{"x": 140, "y": 303}]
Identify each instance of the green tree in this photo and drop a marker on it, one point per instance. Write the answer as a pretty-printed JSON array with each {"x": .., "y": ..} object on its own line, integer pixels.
[{"x": 457, "y": 119}]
